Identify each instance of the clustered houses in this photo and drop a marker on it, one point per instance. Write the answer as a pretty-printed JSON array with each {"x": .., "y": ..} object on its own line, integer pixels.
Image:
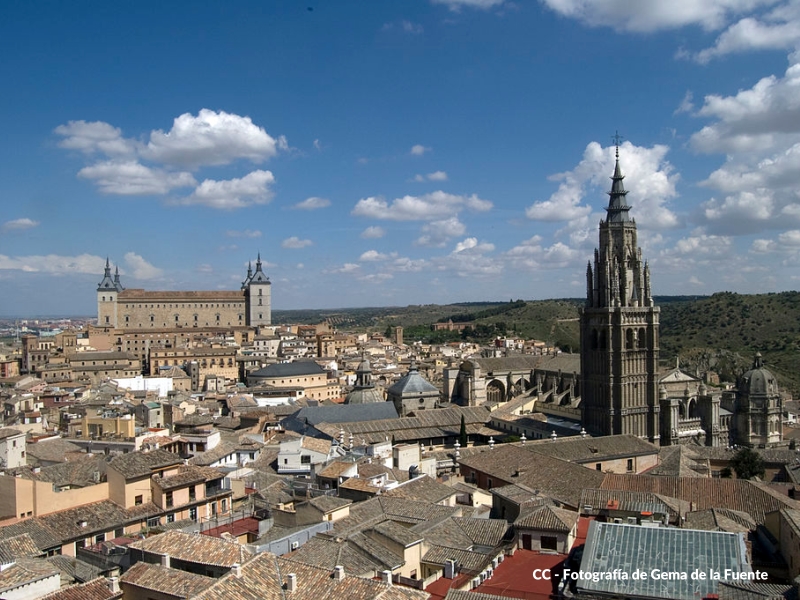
[{"x": 238, "y": 468}]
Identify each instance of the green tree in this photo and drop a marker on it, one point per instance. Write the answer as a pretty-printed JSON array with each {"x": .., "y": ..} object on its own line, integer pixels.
[
  {"x": 462, "y": 434},
  {"x": 747, "y": 463}
]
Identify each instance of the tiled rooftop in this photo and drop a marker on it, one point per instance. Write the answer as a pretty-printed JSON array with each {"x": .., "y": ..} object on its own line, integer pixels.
[
  {"x": 97, "y": 589},
  {"x": 163, "y": 580},
  {"x": 140, "y": 464},
  {"x": 188, "y": 475},
  {"x": 705, "y": 492},
  {"x": 23, "y": 571},
  {"x": 200, "y": 549},
  {"x": 423, "y": 489}
]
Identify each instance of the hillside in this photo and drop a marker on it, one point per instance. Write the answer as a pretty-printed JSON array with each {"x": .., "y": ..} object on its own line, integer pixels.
[{"x": 720, "y": 332}]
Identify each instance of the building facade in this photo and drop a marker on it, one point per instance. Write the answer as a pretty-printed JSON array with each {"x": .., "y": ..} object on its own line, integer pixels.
[
  {"x": 619, "y": 330},
  {"x": 137, "y": 309}
]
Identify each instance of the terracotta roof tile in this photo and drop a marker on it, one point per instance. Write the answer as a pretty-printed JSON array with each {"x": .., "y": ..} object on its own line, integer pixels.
[
  {"x": 97, "y": 589},
  {"x": 190, "y": 547},
  {"x": 164, "y": 580}
]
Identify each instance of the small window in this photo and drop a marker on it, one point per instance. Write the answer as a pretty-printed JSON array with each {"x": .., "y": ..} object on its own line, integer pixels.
[
  {"x": 549, "y": 542},
  {"x": 630, "y": 464},
  {"x": 305, "y": 459},
  {"x": 138, "y": 500},
  {"x": 598, "y": 467}
]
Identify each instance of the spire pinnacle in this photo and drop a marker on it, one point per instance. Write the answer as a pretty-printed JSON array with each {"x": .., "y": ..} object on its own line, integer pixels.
[{"x": 617, "y": 208}]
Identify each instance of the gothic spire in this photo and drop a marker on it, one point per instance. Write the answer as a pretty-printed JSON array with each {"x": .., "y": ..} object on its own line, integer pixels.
[
  {"x": 117, "y": 283},
  {"x": 617, "y": 208}
]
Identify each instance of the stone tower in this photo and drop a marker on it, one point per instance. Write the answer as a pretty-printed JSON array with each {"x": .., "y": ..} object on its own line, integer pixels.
[
  {"x": 258, "y": 300},
  {"x": 619, "y": 330},
  {"x": 107, "y": 291}
]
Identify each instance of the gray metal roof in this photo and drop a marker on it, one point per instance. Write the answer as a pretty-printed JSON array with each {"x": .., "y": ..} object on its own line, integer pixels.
[
  {"x": 412, "y": 383},
  {"x": 346, "y": 413},
  {"x": 611, "y": 546},
  {"x": 292, "y": 369}
]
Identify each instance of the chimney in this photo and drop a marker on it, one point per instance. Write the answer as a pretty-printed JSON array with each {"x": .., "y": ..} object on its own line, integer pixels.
[
  {"x": 291, "y": 583},
  {"x": 165, "y": 561},
  {"x": 237, "y": 570},
  {"x": 386, "y": 577},
  {"x": 338, "y": 573},
  {"x": 113, "y": 585}
]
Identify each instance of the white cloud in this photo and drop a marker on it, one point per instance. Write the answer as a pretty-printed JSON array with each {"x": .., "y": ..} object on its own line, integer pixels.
[
  {"x": 140, "y": 268},
  {"x": 347, "y": 268},
  {"x": 687, "y": 104},
  {"x": 313, "y": 203},
  {"x": 653, "y": 16},
  {"x": 742, "y": 212},
  {"x": 457, "y": 5},
  {"x": 211, "y": 138},
  {"x": 702, "y": 246},
  {"x": 95, "y": 137},
  {"x": 19, "y": 224},
  {"x": 204, "y": 268},
  {"x": 435, "y": 176},
  {"x": 790, "y": 238},
  {"x": 419, "y": 149},
  {"x": 249, "y": 190},
  {"x": 376, "y": 277},
  {"x": 649, "y": 178},
  {"x": 437, "y": 233},
  {"x": 404, "y": 26},
  {"x": 408, "y": 265},
  {"x": 471, "y": 245},
  {"x": 372, "y": 256},
  {"x": 373, "y": 233},
  {"x": 317, "y": 145},
  {"x": 245, "y": 233},
  {"x": 295, "y": 243},
  {"x": 758, "y": 130},
  {"x": 532, "y": 255},
  {"x": 764, "y": 117},
  {"x": 777, "y": 29},
  {"x": 53, "y": 264},
  {"x": 131, "y": 178},
  {"x": 436, "y": 205}
]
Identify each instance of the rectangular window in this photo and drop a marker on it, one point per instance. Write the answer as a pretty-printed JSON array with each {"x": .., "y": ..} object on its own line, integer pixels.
[
  {"x": 193, "y": 513},
  {"x": 153, "y": 522},
  {"x": 138, "y": 500},
  {"x": 598, "y": 467},
  {"x": 192, "y": 494},
  {"x": 305, "y": 459},
  {"x": 100, "y": 537},
  {"x": 630, "y": 464},
  {"x": 549, "y": 542},
  {"x": 169, "y": 500},
  {"x": 171, "y": 518}
]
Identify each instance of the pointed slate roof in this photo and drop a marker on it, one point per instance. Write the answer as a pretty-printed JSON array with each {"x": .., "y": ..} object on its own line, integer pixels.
[
  {"x": 617, "y": 208},
  {"x": 412, "y": 383}
]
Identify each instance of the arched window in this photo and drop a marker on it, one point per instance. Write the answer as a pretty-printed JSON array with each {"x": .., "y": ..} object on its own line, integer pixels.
[
  {"x": 641, "y": 338},
  {"x": 629, "y": 339}
]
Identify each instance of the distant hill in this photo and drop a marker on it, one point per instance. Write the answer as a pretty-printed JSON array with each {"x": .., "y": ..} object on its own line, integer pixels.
[{"x": 720, "y": 332}]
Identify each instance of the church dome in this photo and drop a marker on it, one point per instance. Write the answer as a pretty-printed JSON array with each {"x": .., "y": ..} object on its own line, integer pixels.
[
  {"x": 364, "y": 396},
  {"x": 758, "y": 381}
]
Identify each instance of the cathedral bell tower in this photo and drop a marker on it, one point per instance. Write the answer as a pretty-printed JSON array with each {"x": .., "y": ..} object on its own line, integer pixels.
[{"x": 619, "y": 329}]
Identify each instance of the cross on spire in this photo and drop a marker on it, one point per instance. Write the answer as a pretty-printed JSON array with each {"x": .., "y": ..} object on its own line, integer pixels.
[{"x": 617, "y": 139}]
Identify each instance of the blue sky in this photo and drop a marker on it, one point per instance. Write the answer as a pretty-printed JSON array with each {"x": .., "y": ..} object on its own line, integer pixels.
[{"x": 393, "y": 153}]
